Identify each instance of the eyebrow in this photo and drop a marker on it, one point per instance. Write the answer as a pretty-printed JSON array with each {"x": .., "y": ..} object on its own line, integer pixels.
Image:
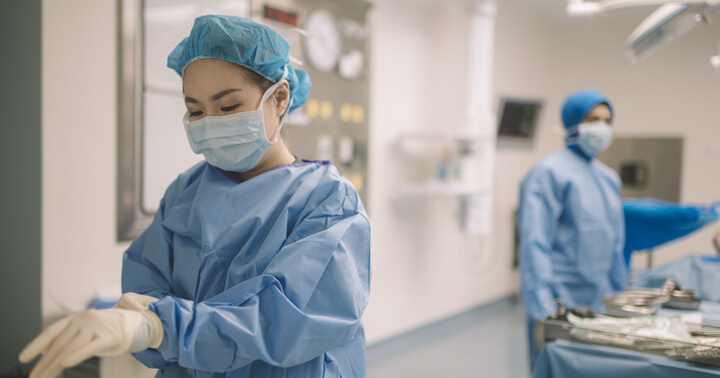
[{"x": 216, "y": 96}]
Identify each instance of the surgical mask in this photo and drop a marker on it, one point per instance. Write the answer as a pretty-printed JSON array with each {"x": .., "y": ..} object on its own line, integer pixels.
[
  {"x": 593, "y": 137},
  {"x": 234, "y": 142}
]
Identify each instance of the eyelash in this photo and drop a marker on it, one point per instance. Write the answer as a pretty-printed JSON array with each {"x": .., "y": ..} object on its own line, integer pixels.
[
  {"x": 224, "y": 109},
  {"x": 229, "y": 108}
]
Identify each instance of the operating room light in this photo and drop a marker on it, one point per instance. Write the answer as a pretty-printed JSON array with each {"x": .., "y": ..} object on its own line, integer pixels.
[
  {"x": 715, "y": 61},
  {"x": 668, "y": 22},
  {"x": 591, "y": 8},
  {"x": 665, "y": 25}
]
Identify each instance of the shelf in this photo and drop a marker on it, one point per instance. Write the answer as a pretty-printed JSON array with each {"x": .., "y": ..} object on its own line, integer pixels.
[{"x": 443, "y": 188}]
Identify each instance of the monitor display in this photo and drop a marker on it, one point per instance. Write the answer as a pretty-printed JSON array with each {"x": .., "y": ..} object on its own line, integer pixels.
[{"x": 519, "y": 118}]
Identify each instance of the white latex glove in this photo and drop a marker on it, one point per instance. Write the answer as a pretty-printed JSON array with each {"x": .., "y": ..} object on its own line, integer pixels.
[
  {"x": 134, "y": 301},
  {"x": 90, "y": 333}
]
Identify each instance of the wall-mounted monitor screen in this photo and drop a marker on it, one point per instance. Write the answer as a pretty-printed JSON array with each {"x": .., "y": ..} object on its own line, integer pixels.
[{"x": 519, "y": 118}]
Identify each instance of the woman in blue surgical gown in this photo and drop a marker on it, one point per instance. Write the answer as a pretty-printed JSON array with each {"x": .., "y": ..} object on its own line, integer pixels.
[
  {"x": 570, "y": 218},
  {"x": 256, "y": 263}
]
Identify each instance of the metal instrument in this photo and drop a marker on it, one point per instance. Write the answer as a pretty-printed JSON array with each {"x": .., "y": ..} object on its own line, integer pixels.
[{"x": 701, "y": 346}]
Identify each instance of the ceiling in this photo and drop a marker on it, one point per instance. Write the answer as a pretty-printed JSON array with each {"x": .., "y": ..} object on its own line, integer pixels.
[{"x": 554, "y": 10}]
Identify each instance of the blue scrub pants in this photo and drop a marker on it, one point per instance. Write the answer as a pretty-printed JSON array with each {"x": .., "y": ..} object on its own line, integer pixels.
[{"x": 533, "y": 352}]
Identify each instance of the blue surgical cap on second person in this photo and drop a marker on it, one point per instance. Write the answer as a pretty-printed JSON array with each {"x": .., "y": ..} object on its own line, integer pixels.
[
  {"x": 578, "y": 104},
  {"x": 244, "y": 42}
]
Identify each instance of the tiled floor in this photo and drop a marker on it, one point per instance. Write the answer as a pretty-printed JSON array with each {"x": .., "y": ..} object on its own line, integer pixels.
[{"x": 489, "y": 341}]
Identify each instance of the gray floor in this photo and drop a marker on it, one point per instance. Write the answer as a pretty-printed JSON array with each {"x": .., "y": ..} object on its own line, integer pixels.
[{"x": 489, "y": 341}]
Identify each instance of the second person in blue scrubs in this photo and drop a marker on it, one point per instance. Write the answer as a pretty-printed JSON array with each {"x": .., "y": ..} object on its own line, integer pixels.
[{"x": 570, "y": 218}]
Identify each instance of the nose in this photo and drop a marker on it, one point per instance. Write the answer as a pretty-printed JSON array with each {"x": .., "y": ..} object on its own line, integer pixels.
[{"x": 213, "y": 112}]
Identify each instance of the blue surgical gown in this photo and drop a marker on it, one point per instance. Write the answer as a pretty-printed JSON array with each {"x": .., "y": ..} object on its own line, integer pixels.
[
  {"x": 571, "y": 229},
  {"x": 651, "y": 222},
  {"x": 263, "y": 278}
]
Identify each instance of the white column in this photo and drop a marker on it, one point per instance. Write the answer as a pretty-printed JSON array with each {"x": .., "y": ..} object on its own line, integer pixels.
[{"x": 479, "y": 162}]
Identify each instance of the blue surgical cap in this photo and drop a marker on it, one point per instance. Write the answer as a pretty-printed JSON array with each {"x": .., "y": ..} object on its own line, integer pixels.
[
  {"x": 241, "y": 41},
  {"x": 577, "y": 106}
]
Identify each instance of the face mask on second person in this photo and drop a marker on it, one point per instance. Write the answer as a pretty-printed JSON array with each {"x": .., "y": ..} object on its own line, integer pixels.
[{"x": 592, "y": 137}]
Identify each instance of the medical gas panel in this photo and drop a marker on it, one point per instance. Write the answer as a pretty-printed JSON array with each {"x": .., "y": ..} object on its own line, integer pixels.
[
  {"x": 647, "y": 166},
  {"x": 333, "y": 47}
]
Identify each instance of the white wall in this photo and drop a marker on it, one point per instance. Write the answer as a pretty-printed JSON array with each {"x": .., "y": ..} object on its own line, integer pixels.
[
  {"x": 418, "y": 84},
  {"x": 80, "y": 252}
]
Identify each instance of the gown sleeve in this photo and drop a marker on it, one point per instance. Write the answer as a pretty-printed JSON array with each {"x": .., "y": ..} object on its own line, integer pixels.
[
  {"x": 650, "y": 222},
  {"x": 538, "y": 217},
  {"x": 309, "y": 299},
  {"x": 618, "y": 269}
]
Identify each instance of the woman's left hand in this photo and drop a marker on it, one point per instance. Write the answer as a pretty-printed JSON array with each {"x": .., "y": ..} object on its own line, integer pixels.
[
  {"x": 90, "y": 333},
  {"x": 134, "y": 301}
]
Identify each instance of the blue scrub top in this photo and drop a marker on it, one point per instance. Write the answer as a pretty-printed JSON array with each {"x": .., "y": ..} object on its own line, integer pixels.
[
  {"x": 264, "y": 278},
  {"x": 571, "y": 233},
  {"x": 571, "y": 228}
]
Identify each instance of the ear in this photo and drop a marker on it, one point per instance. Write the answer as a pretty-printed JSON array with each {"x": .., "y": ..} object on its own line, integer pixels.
[{"x": 282, "y": 97}]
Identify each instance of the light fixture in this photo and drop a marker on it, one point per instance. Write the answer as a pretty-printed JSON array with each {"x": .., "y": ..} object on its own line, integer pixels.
[
  {"x": 715, "y": 61},
  {"x": 671, "y": 20},
  {"x": 665, "y": 25},
  {"x": 580, "y": 8}
]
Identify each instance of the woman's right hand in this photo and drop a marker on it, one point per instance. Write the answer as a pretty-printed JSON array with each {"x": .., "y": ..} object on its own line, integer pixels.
[{"x": 88, "y": 333}]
